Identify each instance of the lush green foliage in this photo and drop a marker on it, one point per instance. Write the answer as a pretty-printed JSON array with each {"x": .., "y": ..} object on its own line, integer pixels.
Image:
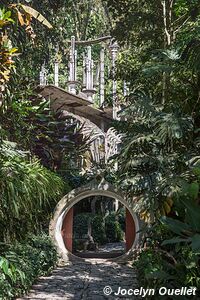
[
  {"x": 38, "y": 44},
  {"x": 168, "y": 260},
  {"x": 103, "y": 229},
  {"x": 26, "y": 189},
  {"x": 114, "y": 232},
  {"x": 161, "y": 127},
  {"x": 153, "y": 59},
  {"x": 98, "y": 229},
  {"x": 35, "y": 144},
  {"x": 158, "y": 165},
  {"x": 155, "y": 155},
  {"x": 157, "y": 268},
  {"x": 11, "y": 14},
  {"x": 171, "y": 255},
  {"x": 7, "y": 51},
  {"x": 21, "y": 264}
]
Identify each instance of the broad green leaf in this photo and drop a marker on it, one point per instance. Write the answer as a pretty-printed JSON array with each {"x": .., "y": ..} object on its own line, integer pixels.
[
  {"x": 7, "y": 14},
  {"x": 194, "y": 190},
  {"x": 176, "y": 226},
  {"x": 196, "y": 242},
  {"x": 196, "y": 171},
  {"x": 176, "y": 240},
  {"x": 4, "y": 265},
  {"x": 192, "y": 214}
]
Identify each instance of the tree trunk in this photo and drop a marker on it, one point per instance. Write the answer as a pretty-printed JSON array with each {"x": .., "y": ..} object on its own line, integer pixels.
[{"x": 168, "y": 37}]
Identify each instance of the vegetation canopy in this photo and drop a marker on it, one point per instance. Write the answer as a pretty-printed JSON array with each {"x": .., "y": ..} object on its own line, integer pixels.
[{"x": 44, "y": 153}]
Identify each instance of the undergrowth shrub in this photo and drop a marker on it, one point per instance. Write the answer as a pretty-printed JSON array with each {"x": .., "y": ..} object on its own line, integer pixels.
[
  {"x": 98, "y": 229},
  {"x": 172, "y": 265},
  {"x": 157, "y": 268},
  {"x": 113, "y": 230},
  {"x": 103, "y": 230},
  {"x": 80, "y": 225},
  {"x": 27, "y": 189},
  {"x": 21, "y": 264}
]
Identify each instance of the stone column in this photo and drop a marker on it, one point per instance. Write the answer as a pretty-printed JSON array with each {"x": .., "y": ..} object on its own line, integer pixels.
[
  {"x": 72, "y": 67},
  {"x": 114, "y": 50},
  {"x": 102, "y": 79},
  {"x": 43, "y": 76},
  {"x": 89, "y": 89}
]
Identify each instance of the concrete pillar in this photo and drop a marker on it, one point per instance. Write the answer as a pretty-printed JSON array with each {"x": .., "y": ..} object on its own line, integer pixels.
[
  {"x": 114, "y": 51},
  {"x": 72, "y": 67},
  {"x": 43, "y": 76},
  {"x": 130, "y": 230},
  {"x": 88, "y": 79},
  {"x": 67, "y": 230},
  {"x": 102, "y": 76}
]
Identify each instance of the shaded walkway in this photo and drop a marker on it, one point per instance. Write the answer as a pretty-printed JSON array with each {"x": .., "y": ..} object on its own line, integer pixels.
[
  {"x": 106, "y": 251},
  {"x": 84, "y": 280}
]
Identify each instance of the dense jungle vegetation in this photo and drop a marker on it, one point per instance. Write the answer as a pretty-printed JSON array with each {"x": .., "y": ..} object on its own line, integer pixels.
[
  {"x": 159, "y": 162},
  {"x": 36, "y": 161}
]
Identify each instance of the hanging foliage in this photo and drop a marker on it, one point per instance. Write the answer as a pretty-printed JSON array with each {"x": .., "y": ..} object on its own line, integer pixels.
[{"x": 27, "y": 189}]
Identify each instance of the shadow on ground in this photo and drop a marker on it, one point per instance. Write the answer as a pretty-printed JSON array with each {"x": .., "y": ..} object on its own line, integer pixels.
[{"x": 84, "y": 280}]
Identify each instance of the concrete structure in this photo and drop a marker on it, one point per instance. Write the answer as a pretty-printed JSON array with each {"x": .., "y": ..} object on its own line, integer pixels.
[
  {"x": 61, "y": 226},
  {"x": 76, "y": 101}
]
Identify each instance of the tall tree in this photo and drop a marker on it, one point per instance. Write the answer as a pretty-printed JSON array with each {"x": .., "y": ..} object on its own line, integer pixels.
[
  {"x": 160, "y": 61},
  {"x": 154, "y": 28}
]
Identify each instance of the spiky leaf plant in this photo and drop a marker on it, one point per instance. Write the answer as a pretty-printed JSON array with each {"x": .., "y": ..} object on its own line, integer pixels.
[{"x": 27, "y": 190}]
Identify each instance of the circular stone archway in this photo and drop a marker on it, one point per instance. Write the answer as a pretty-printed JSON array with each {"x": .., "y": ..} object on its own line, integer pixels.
[{"x": 100, "y": 188}]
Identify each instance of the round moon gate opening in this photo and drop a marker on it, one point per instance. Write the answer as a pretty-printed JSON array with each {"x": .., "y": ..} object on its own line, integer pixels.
[{"x": 61, "y": 226}]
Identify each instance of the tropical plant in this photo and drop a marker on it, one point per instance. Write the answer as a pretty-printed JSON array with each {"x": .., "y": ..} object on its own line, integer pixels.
[
  {"x": 114, "y": 232},
  {"x": 158, "y": 33},
  {"x": 24, "y": 14},
  {"x": 52, "y": 137},
  {"x": 171, "y": 255},
  {"x": 21, "y": 264},
  {"x": 9, "y": 275},
  {"x": 6, "y": 51},
  {"x": 186, "y": 225},
  {"x": 153, "y": 154},
  {"x": 26, "y": 189},
  {"x": 158, "y": 268}
]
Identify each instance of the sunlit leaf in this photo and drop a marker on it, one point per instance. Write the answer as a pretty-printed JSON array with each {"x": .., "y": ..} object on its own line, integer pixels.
[{"x": 34, "y": 13}]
